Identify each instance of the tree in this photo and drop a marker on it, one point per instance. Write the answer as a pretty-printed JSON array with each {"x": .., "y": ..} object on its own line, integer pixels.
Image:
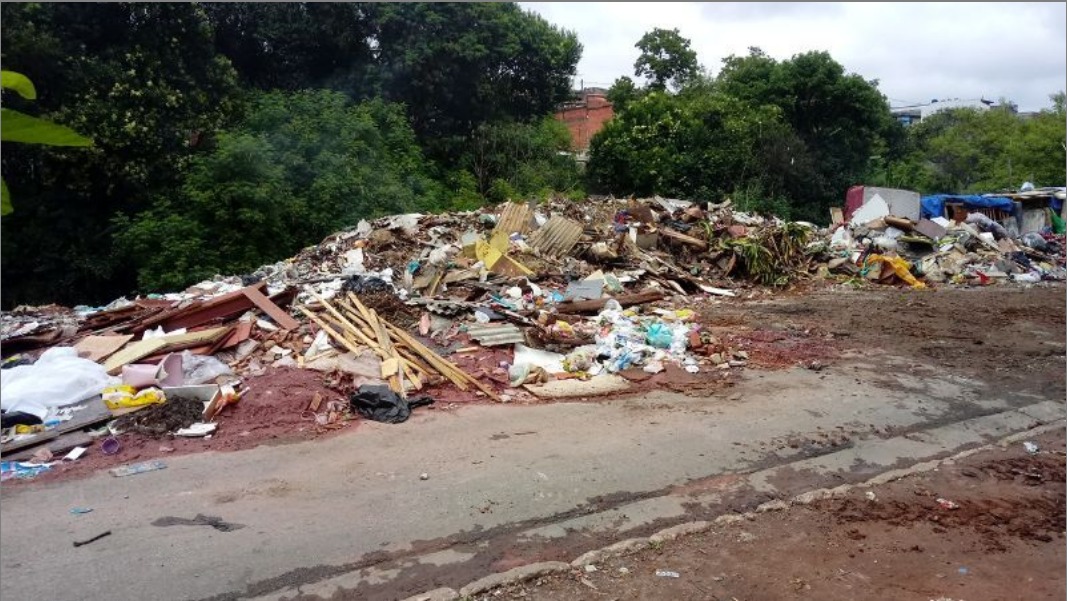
[
  {"x": 690, "y": 146},
  {"x": 300, "y": 166},
  {"x": 456, "y": 66},
  {"x": 842, "y": 120},
  {"x": 145, "y": 83},
  {"x": 622, "y": 92},
  {"x": 975, "y": 151},
  {"x": 296, "y": 45},
  {"x": 666, "y": 59},
  {"x": 519, "y": 160}
]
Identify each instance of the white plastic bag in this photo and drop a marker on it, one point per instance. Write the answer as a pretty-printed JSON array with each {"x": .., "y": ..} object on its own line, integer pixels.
[
  {"x": 198, "y": 369},
  {"x": 57, "y": 379}
]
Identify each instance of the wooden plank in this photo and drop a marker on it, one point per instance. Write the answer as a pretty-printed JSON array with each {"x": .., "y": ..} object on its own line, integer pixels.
[
  {"x": 264, "y": 304},
  {"x": 95, "y": 413},
  {"x": 97, "y": 348},
  {"x": 133, "y": 352},
  {"x": 61, "y": 444},
  {"x": 682, "y": 238},
  {"x": 439, "y": 362},
  {"x": 626, "y": 300}
]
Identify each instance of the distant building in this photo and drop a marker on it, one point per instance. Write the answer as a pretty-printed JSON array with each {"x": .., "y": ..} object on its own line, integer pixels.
[
  {"x": 909, "y": 115},
  {"x": 585, "y": 117}
]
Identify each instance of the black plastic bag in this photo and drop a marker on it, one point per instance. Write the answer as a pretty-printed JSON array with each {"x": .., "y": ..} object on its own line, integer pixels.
[
  {"x": 365, "y": 285},
  {"x": 377, "y": 402}
]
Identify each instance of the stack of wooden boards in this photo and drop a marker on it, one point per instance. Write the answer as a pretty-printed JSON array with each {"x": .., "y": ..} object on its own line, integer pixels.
[{"x": 406, "y": 362}]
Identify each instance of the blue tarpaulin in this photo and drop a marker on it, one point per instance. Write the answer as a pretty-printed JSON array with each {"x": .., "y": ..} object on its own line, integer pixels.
[{"x": 934, "y": 205}]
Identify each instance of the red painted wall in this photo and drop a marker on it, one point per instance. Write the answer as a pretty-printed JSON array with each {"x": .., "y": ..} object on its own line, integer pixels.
[{"x": 585, "y": 120}]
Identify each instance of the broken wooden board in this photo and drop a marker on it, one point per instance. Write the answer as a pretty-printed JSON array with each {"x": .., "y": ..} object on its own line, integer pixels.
[
  {"x": 171, "y": 342},
  {"x": 666, "y": 232},
  {"x": 594, "y": 306},
  {"x": 930, "y": 229},
  {"x": 95, "y": 413},
  {"x": 58, "y": 446},
  {"x": 97, "y": 348},
  {"x": 514, "y": 218},
  {"x": 275, "y": 312},
  {"x": 556, "y": 237},
  {"x": 563, "y": 389}
]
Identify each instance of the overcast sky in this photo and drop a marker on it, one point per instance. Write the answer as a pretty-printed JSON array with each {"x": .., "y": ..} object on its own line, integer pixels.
[{"x": 917, "y": 51}]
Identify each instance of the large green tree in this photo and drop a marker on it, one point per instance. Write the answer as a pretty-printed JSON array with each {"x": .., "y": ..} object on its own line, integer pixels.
[
  {"x": 700, "y": 146},
  {"x": 841, "y": 120},
  {"x": 145, "y": 83},
  {"x": 300, "y": 166},
  {"x": 970, "y": 150},
  {"x": 666, "y": 59},
  {"x": 456, "y": 66}
]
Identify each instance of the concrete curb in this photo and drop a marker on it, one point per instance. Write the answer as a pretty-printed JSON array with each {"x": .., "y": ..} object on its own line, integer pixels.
[
  {"x": 518, "y": 574},
  {"x": 632, "y": 545}
]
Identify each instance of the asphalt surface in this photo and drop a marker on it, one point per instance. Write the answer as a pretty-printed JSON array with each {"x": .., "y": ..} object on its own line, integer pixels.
[{"x": 350, "y": 516}]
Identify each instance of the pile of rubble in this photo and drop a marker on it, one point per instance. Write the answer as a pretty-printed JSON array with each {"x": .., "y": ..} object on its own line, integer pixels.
[
  {"x": 917, "y": 244},
  {"x": 514, "y": 303}
]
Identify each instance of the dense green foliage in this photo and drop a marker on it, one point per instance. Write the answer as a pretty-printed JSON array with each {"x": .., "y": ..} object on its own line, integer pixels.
[
  {"x": 764, "y": 130},
  {"x": 298, "y": 166},
  {"x": 214, "y": 153},
  {"x": 790, "y": 137},
  {"x": 966, "y": 150}
]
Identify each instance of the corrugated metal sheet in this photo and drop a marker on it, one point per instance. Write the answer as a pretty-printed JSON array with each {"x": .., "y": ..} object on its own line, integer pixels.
[
  {"x": 557, "y": 236},
  {"x": 496, "y": 335}
]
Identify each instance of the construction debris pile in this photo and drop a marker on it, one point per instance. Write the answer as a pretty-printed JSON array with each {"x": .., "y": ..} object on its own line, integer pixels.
[
  {"x": 950, "y": 239},
  {"x": 518, "y": 302}
]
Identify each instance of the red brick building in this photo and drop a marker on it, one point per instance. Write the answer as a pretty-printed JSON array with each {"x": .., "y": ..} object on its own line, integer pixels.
[{"x": 585, "y": 118}]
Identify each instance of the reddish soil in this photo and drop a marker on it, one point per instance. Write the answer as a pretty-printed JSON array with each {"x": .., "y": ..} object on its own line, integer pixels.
[
  {"x": 272, "y": 412},
  {"x": 1005, "y": 541},
  {"x": 1011, "y": 337}
]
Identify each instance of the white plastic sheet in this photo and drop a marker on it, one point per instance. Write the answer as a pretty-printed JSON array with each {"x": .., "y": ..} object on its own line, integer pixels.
[{"x": 57, "y": 379}]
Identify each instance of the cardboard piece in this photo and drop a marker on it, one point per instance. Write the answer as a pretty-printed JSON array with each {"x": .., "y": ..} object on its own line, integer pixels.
[
  {"x": 930, "y": 229},
  {"x": 98, "y": 348}
]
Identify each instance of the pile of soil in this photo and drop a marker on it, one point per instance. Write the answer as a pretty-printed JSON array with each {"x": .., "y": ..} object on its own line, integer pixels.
[{"x": 163, "y": 419}]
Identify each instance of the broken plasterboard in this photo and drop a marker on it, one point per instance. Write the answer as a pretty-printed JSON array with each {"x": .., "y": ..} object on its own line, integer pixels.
[{"x": 875, "y": 208}]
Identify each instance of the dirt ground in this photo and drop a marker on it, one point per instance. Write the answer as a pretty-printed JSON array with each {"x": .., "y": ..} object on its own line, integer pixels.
[
  {"x": 1003, "y": 540},
  {"x": 1012, "y": 338}
]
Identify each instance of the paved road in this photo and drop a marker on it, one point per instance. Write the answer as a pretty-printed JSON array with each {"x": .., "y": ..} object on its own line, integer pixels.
[{"x": 349, "y": 517}]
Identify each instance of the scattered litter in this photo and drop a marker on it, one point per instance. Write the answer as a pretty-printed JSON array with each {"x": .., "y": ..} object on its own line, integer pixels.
[
  {"x": 80, "y": 510},
  {"x": 110, "y": 446},
  {"x": 75, "y": 453},
  {"x": 871, "y": 496},
  {"x": 200, "y": 520},
  {"x": 93, "y": 539},
  {"x": 137, "y": 468},
  {"x": 1031, "y": 447},
  {"x": 668, "y": 574},
  {"x": 424, "y": 476},
  {"x": 947, "y": 504}
]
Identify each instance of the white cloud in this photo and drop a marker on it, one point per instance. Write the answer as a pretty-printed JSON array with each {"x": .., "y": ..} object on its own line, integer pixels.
[{"x": 917, "y": 51}]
